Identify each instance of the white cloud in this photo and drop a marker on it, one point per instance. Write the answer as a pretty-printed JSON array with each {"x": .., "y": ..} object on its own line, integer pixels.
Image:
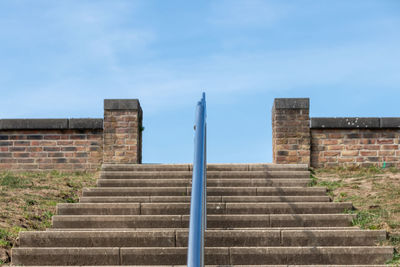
[{"x": 98, "y": 60}]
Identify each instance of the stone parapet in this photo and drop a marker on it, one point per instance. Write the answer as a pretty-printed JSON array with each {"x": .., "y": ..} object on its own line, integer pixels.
[
  {"x": 291, "y": 131},
  {"x": 122, "y": 131}
]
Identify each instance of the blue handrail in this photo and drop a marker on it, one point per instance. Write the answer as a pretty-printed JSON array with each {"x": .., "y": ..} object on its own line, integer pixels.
[{"x": 198, "y": 205}]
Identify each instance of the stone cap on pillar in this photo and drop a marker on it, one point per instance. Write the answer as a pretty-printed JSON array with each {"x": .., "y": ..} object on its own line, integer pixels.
[
  {"x": 122, "y": 104},
  {"x": 291, "y": 103}
]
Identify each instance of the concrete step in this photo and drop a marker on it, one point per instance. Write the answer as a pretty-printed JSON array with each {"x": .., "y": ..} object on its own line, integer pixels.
[
  {"x": 229, "y": 265},
  {"x": 210, "y": 167},
  {"x": 211, "y": 191},
  {"x": 135, "y": 191},
  {"x": 217, "y": 255},
  {"x": 210, "y": 182},
  {"x": 213, "y": 238},
  {"x": 212, "y": 208},
  {"x": 210, "y": 174},
  {"x": 213, "y": 221},
  {"x": 158, "y": 199},
  {"x": 353, "y": 228}
]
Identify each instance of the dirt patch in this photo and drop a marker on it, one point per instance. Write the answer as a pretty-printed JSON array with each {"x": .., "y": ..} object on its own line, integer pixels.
[
  {"x": 28, "y": 201},
  {"x": 375, "y": 194}
]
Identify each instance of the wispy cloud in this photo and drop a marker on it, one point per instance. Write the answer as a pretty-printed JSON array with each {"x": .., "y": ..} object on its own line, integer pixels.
[{"x": 94, "y": 50}]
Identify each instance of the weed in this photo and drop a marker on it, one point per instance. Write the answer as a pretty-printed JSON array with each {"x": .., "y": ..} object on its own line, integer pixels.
[
  {"x": 313, "y": 180},
  {"x": 3, "y": 243},
  {"x": 4, "y": 238},
  {"x": 396, "y": 259},
  {"x": 47, "y": 215},
  {"x": 394, "y": 240},
  {"x": 31, "y": 202},
  {"x": 11, "y": 181},
  {"x": 355, "y": 186},
  {"x": 365, "y": 219},
  {"x": 393, "y": 224},
  {"x": 342, "y": 197}
]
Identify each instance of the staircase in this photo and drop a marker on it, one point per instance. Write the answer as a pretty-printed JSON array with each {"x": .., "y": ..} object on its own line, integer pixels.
[{"x": 258, "y": 214}]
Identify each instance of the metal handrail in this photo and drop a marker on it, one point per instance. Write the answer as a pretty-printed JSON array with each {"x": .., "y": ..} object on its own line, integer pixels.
[{"x": 198, "y": 205}]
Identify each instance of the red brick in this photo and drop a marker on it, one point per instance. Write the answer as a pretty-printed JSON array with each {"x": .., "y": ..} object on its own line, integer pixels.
[
  {"x": 368, "y": 153},
  {"x": 335, "y": 147},
  {"x": 331, "y": 142},
  {"x": 390, "y": 147},
  {"x": 336, "y": 135},
  {"x": 348, "y": 153},
  {"x": 331, "y": 153},
  {"x": 371, "y": 147},
  {"x": 52, "y": 137},
  {"x": 367, "y": 141},
  {"x": 342, "y": 160},
  {"x": 386, "y": 153},
  {"x": 385, "y": 141}
]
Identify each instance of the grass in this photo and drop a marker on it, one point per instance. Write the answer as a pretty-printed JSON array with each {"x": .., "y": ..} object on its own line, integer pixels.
[
  {"x": 375, "y": 194},
  {"x": 28, "y": 201}
]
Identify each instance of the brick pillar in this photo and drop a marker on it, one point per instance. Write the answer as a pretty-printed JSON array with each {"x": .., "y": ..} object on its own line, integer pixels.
[
  {"x": 291, "y": 131},
  {"x": 122, "y": 131}
]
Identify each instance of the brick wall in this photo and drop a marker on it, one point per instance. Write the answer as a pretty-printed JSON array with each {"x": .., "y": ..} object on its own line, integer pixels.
[
  {"x": 291, "y": 131},
  {"x": 61, "y": 144},
  {"x": 74, "y": 144},
  {"x": 355, "y": 142},
  {"x": 334, "y": 141}
]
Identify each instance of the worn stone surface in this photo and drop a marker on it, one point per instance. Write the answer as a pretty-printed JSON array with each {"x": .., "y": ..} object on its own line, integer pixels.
[
  {"x": 122, "y": 104},
  {"x": 292, "y": 103},
  {"x": 66, "y": 256},
  {"x": 85, "y": 124},
  {"x": 350, "y": 123},
  {"x": 33, "y": 124},
  {"x": 149, "y": 238}
]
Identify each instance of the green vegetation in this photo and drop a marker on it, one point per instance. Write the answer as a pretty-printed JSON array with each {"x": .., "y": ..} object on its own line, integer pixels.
[
  {"x": 375, "y": 194},
  {"x": 28, "y": 201}
]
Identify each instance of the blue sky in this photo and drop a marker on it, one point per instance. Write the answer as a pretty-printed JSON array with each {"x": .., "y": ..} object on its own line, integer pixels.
[{"x": 61, "y": 58}]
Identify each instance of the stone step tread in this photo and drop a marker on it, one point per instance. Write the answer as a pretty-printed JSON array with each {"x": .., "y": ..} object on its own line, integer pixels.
[
  {"x": 224, "y": 265},
  {"x": 210, "y": 174},
  {"x": 330, "y": 265},
  {"x": 213, "y": 221},
  {"x": 158, "y": 199},
  {"x": 352, "y": 228},
  {"x": 209, "y": 179},
  {"x": 211, "y": 191},
  {"x": 214, "y": 182},
  {"x": 212, "y": 208},
  {"x": 226, "y": 255},
  {"x": 210, "y": 166},
  {"x": 213, "y": 238}
]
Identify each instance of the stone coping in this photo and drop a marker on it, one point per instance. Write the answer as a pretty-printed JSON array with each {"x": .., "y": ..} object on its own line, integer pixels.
[
  {"x": 122, "y": 104},
  {"x": 50, "y": 124},
  {"x": 291, "y": 103},
  {"x": 355, "y": 123}
]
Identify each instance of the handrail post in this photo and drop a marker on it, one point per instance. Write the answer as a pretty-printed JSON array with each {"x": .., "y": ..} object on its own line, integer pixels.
[{"x": 198, "y": 203}]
